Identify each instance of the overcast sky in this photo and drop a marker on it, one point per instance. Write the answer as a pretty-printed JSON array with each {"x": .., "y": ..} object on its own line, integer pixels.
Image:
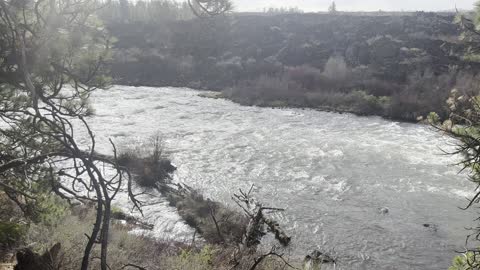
[{"x": 356, "y": 5}]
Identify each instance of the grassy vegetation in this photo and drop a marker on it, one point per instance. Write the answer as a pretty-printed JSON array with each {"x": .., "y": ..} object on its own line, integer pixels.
[
  {"x": 342, "y": 89},
  {"x": 11, "y": 232},
  {"x": 151, "y": 169},
  {"x": 465, "y": 261},
  {"x": 215, "y": 222},
  {"x": 125, "y": 248}
]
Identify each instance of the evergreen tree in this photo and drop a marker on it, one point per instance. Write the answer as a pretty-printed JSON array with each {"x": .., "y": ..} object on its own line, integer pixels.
[
  {"x": 52, "y": 58},
  {"x": 463, "y": 124},
  {"x": 332, "y": 8}
]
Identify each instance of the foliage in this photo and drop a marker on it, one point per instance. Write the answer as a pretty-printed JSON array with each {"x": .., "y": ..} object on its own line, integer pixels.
[
  {"x": 336, "y": 69},
  {"x": 203, "y": 259},
  {"x": 51, "y": 209},
  {"x": 53, "y": 58},
  {"x": 157, "y": 12},
  {"x": 130, "y": 248},
  {"x": 339, "y": 88},
  {"x": 466, "y": 261},
  {"x": 11, "y": 232},
  {"x": 124, "y": 248},
  {"x": 160, "y": 11},
  {"x": 216, "y": 223},
  {"x": 210, "y": 8},
  {"x": 117, "y": 211},
  {"x": 267, "y": 91},
  {"x": 463, "y": 124},
  {"x": 151, "y": 169}
]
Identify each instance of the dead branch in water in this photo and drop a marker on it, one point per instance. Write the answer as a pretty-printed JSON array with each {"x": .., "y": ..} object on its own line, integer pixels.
[{"x": 258, "y": 221}]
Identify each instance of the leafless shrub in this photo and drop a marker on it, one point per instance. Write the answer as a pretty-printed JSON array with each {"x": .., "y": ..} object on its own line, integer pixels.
[
  {"x": 150, "y": 166},
  {"x": 268, "y": 91},
  {"x": 424, "y": 93},
  {"x": 336, "y": 69},
  {"x": 309, "y": 77}
]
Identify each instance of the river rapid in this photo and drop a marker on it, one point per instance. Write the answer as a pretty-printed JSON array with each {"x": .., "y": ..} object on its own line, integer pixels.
[{"x": 333, "y": 173}]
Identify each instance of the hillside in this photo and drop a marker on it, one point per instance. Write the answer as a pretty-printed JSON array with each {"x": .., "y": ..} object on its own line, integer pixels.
[{"x": 382, "y": 55}]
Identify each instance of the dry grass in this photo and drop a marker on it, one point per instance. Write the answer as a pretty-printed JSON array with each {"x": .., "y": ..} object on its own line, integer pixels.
[
  {"x": 215, "y": 222},
  {"x": 126, "y": 248}
]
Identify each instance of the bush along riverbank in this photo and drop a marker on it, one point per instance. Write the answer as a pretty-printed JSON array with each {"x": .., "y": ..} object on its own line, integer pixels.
[{"x": 338, "y": 88}]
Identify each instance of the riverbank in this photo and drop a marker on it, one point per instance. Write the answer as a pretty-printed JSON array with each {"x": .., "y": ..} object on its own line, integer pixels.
[
  {"x": 353, "y": 92},
  {"x": 127, "y": 250},
  {"x": 215, "y": 222},
  {"x": 323, "y": 108},
  {"x": 222, "y": 232}
]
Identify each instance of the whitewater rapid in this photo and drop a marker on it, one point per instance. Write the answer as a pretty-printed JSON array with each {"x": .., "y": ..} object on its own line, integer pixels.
[{"x": 331, "y": 172}]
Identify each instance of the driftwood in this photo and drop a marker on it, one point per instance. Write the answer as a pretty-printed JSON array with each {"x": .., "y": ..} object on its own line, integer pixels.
[
  {"x": 259, "y": 221},
  {"x": 259, "y": 224}
]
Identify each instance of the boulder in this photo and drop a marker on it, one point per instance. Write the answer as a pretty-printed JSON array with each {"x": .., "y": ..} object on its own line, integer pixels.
[{"x": 383, "y": 210}]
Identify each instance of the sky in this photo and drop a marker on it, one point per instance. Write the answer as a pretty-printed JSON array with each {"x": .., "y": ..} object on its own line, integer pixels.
[{"x": 356, "y": 5}]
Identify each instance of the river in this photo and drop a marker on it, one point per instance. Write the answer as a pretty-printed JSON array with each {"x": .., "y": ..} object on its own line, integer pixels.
[{"x": 331, "y": 172}]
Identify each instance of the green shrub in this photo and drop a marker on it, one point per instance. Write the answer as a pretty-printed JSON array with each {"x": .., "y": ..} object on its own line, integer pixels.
[
  {"x": 363, "y": 103},
  {"x": 203, "y": 258},
  {"x": 11, "y": 233},
  {"x": 50, "y": 209},
  {"x": 465, "y": 262}
]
